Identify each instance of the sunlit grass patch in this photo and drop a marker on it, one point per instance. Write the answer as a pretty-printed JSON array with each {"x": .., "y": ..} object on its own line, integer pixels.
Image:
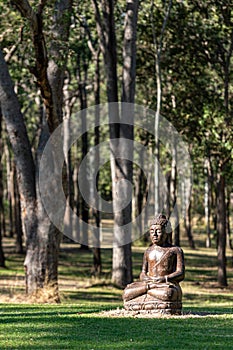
[
  {"x": 77, "y": 326},
  {"x": 84, "y": 319}
]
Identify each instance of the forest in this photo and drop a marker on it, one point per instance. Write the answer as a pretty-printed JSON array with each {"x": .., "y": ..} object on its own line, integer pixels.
[{"x": 99, "y": 69}]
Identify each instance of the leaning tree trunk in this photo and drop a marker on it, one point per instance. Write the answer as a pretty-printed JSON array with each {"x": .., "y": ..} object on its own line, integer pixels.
[
  {"x": 23, "y": 157},
  {"x": 34, "y": 267},
  {"x": 43, "y": 246}
]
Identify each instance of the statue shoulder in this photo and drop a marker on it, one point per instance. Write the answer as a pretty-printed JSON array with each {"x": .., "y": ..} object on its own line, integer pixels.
[{"x": 177, "y": 249}]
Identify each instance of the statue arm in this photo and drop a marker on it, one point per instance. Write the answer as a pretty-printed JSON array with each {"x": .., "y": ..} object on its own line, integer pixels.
[
  {"x": 179, "y": 274},
  {"x": 143, "y": 274}
]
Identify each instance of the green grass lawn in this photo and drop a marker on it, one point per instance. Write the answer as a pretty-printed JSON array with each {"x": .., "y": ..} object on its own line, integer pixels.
[
  {"x": 76, "y": 326},
  {"x": 80, "y": 322}
]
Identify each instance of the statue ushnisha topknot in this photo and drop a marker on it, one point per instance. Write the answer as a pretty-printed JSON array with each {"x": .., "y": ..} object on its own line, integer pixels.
[{"x": 161, "y": 219}]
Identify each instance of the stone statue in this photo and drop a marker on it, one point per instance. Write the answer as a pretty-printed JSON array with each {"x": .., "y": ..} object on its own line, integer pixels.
[{"x": 162, "y": 270}]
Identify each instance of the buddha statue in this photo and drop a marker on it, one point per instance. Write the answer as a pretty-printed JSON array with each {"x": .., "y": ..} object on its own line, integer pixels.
[{"x": 162, "y": 270}]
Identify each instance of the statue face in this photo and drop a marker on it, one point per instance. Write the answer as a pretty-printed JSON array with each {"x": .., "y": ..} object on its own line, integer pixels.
[{"x": 158, "y": 235}]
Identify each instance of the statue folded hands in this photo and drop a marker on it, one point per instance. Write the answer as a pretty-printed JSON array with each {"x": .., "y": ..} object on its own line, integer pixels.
[{"x": 162, "y": 270}]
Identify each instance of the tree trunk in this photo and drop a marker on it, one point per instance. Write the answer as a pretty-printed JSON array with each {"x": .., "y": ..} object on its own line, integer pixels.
[
  {"x": 188, "y": 226},
  {"x": 122, "y": 266},
  {"x": 158, "y": 45},
  {"x": 122, "y": 256},
  {"x": 82, "y": 81},
  {"x": 10, "y": 192},
  {"x": 40, "y": 243},
  {"x": 18, "y": 221},
  {"x": 156, "y": 133},
  {"x": 76, "y": 198},
  {"x": 173, "y": 195},
  {"x": 141, "y": 190},
  {"x": 97, "y": 264},
  {"x": 207, "y": 203},
  {"x": 68, "y": 224},
  {"x": 228, "y": 221},
  {"x": 2, "y": 257},
  {"x": 105, "y": 25},
  {"x": 51, "y": 276},
  {"x": 58, "y": 52},
  {"x": 221, "y": 229},
  {"x": 95, "y": 155},
  {"x": 23, "y": 157},
  {"x": 2, "y": 191}
]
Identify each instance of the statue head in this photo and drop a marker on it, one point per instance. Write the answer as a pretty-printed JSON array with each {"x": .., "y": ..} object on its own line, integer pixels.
[
  {"x": 160, "y": 230},
  {"x": 159, "y": 219}
]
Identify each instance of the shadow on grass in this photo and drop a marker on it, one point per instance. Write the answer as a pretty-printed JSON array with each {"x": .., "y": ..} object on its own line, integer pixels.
[
  {"x": 197, "y": 259},
  {"x": 205, "y": 311},
  {"x": 100, "y": 296},
  {"x": 79, "y": 263},
  {"x": 208, "y": 298},
  {"x": 74, "y": 327}
]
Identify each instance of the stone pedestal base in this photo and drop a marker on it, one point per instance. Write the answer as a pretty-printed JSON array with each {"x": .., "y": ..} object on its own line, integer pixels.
[{"x": 146, "y": 303}]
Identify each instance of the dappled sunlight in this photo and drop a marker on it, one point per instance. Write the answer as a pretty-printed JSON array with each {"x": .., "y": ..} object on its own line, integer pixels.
[
  {"x": 87, "y": 327},
  {"x": 77, "y": 282}
]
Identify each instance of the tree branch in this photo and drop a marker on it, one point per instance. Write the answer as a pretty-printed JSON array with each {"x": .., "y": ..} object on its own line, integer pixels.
[
  {"x": 99, "y": 26},
  {"x": 41, "y": 57},
  {"x": 12, "y": 50},
  {"x": 25, "y": 9}
]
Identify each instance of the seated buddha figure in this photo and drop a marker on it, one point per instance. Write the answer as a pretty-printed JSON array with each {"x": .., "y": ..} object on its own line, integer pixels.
[{"x": 162, "y": 270}]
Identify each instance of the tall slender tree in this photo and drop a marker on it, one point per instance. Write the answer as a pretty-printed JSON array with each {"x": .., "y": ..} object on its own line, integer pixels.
[
  {"x": 42, "y": 237},
  {"x": 122, "y": 263},
  {"x": 158, "y": 43},
  {"x": 120, "y": 169}
]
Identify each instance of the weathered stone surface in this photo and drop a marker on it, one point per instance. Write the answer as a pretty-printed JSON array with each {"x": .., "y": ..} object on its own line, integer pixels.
[{"x": 158, "y": 290}]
